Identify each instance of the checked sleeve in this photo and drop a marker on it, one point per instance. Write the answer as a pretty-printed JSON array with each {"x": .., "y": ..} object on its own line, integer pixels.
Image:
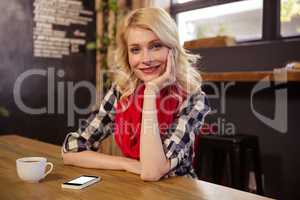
[
  {"x": 179, "y": 139},
  {"x": 98, "y": 127}
]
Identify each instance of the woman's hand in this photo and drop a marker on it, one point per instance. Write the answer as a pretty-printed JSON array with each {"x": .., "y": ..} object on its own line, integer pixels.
[{"x": 167, "y": 78}]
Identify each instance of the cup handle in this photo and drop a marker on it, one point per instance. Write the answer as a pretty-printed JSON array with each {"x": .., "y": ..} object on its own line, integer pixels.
[{"x": 50, "y": 170}]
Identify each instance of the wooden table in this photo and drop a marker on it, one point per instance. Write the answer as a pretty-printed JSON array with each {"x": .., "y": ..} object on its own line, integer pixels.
[{"x": 114, "y": 185}]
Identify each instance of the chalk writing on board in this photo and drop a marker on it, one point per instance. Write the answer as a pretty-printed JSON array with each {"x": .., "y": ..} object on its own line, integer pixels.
[{"x": 52, "y": 37}]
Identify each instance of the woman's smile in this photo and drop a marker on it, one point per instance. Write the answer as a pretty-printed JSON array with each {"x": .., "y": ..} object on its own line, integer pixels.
[{"x": 152, "y": 69}]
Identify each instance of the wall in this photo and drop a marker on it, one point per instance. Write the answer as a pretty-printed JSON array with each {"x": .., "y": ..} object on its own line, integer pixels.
[{"x": 16, "y": 57}]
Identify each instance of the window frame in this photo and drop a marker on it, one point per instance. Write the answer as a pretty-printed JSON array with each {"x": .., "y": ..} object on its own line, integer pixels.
[{"x": 271, "y": 11}]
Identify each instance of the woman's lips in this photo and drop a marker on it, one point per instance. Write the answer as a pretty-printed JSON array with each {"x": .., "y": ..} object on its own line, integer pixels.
[{"x": 150, "y": 70}]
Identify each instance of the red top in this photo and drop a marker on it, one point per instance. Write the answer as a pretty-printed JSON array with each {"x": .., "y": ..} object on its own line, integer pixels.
[{"x": 128, "y": 118}]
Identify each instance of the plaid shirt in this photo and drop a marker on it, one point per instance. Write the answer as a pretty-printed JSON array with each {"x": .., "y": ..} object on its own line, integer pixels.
[{"x": 177, "y": 142}]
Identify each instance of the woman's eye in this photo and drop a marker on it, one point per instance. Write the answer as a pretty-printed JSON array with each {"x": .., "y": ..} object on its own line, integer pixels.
[
  {"x": 156, "y": 46},
  {"x": 134, "y": 50}
]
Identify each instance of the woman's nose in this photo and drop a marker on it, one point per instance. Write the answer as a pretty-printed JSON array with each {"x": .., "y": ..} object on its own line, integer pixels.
[{"x": 146, "y": 56}]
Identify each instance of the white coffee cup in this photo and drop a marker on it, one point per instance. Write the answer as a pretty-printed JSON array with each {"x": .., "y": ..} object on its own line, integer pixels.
[{"x": 32, "y": 169}]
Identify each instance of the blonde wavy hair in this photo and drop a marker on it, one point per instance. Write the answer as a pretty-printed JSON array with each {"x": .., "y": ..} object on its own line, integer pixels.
[{"x": 161, "y": 23}]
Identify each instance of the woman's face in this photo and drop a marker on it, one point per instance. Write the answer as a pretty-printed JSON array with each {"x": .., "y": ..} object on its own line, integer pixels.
[{"x": 147, "y": 55}]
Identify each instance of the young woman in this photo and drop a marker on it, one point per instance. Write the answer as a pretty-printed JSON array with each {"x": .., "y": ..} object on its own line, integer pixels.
[{"x": 154, "y": 108}]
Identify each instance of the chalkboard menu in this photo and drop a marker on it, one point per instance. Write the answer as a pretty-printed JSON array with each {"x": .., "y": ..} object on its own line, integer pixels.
[
  {"x": 49, "y": 36},
  {"x": 58, "y": 27}
]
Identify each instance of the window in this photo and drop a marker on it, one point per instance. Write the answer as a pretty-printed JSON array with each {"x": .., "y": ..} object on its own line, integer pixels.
[
  {"x": 241, "y": 20},
  {"x": 290, "y": 18},
  {"x": 245, "y": 20},
  {"x": 181, "y": 1}
]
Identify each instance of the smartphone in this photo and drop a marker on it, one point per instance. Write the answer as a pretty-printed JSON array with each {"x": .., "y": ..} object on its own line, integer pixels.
[{"x": 81, "y": 182}]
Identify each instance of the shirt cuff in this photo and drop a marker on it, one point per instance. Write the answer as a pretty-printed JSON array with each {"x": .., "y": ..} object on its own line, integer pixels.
[{"x": 66, "y": 142}]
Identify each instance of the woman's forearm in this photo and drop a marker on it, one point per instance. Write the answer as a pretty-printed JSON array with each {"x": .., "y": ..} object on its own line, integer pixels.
[
  {"x": 152, "y": 156},
  {"x": 91, "y": 159}
]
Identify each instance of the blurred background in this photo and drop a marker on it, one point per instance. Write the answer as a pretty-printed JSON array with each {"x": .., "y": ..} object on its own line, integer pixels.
[{"x": 53, "y": 56}]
